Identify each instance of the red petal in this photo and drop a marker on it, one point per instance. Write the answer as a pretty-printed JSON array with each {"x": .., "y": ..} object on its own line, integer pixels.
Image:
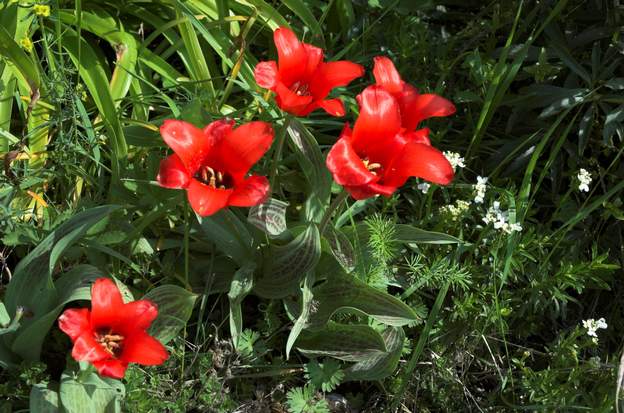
[
  {"x": 291, "y": 102},
  {"x": 106, "y": 303},
  {"x": 252, "y": 191},
  {"x": 113, "y": 368},
  {"x": 386, "y": 75},
  {"x": 419, "y": 136},
  {"x": 422, "y": 161},
  {"x": 244, "y": 146},
  {"x": 334, "y": 107},
  {"x": 143, "y": 349},
  {"x": 346, "y": 166},
  {"x": 187, "y": 141},
  {"x": 139, "y": 314},
  {"x": 314, "y": 57},
  {"x": 370, "y": 190},
  {"x": 173, "y": 173},
  {"x": 206, "y": 200},
  {"x": 266, "y": 74},
  {"x": 292, "y": 56},
  {"x": 420, "y": 107},
  {"x": 379, "y": 121},
  {"x": 74, "y": 322},
  {"x": 87, "y": 349},
  {"x": 333, "y": 74},
  {"x": 218, "y": 130}
]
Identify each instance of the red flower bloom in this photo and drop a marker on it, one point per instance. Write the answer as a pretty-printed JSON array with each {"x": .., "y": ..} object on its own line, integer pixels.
[
  {"x": 212, "y": 164},
  {"x": 301, "y": 79},
  {"x": 414, "y": 106},
  {"x": 112, "y": 334},
  {"x": 379, "y": 155}
]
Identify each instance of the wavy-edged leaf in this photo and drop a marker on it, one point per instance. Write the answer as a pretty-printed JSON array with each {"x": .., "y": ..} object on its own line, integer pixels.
[
  {"x": 44, "y": 399},
  {"x": 343, "y": 293},
  {"x": 229, "y": 235},
  {"x": 312, "y": 164},
  {"x": 71, "y": 286},
  {"x": 90, "y": 394},
  {"x": 32, "y": 275},
  {"x": 269, "y": 216},
  {"x": 285, "y": 266},
  {"x": 306, "y": 308},
  {"x": 175, "y": 306},
  {"x": 240, "y": 287},
  {"x": 341, "y": 248},
  {"x": 348, "y": 342},
  {"x": 378, "y": 367}
]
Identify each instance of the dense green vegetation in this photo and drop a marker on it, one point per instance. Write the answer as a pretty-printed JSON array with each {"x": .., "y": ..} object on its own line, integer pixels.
[{"x": 460, "y": 305}]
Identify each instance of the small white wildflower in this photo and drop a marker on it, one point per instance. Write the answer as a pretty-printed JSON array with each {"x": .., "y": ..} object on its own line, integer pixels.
[
  {"x": 457, "y": 209},
  {"x": 509, "y": 228},
  {"x": 454, "y": 159},
  {"x": 585, "y": 179},
  {"x": 500, "y": 219},
  {"x": 594, "y": 325},
  {"x": 480, "y": 189},
  {"x": 424, "y": 187}
]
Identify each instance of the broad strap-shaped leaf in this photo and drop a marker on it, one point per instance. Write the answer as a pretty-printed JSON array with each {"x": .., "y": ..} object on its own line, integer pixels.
[
  {"x": 90, "y": 394},
  {"x": 240, "y": 287},
  {"x": 175, "y": 306},
  {"x": 343, "y": 293},
  {"x": 270, "y": 216},
  {"x": 342, "y": 341},
  {"x": 378, "y": 367},
  {"x": 312, "y": 163},
  {"x": 285, "y": 266},
  {"x": 229, "y": 235},
  {"x": 31, "y": 285},
  {"x": 71, "y": 286},
  {"x": 408, "y": 234}
]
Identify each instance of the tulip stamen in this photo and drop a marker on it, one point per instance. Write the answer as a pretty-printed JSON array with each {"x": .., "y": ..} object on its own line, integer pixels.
[
  {"x": 371, "y": 166},
  {"x": 210, "y": 177},
  {"x": 300, "y": 89},
  {"x": 112, "y": 343}
]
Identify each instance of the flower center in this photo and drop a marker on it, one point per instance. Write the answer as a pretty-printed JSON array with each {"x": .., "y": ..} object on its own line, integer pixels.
[
  {"x": 112, "y": 343},
  {"x": 215, "y": 179},
  {"x": 300, "y": 89},
  {"x": 372, "y": 167}
]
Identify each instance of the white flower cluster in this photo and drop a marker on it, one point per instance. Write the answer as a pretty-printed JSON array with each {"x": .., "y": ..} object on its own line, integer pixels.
[
  {"x": 594, "y": 325},
  {"x": 500, "y": 219},
  {"x": 585, "y": 179},
  {"x": 480, "y": 189},
  {"x": 455, "y": 159},
  {"x": 457, "y": 209},
  {"x": 423, "y": 187}
]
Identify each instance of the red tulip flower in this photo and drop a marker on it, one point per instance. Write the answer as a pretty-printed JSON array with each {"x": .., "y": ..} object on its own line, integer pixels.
[
  {"x": 379, "y": 155},
  {"x": 212, "y": 163},
  {"x": 300, "y": 78},
  {"x": 414, "y": 106},
  {"x": 113, "y": 334}
]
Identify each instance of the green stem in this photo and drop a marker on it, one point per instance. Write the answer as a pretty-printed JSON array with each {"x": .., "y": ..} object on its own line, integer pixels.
[
  {"x": 420, "y": 346},
  {"x": 332, "y": 208},
  {"x": 277, "y": 155}
]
